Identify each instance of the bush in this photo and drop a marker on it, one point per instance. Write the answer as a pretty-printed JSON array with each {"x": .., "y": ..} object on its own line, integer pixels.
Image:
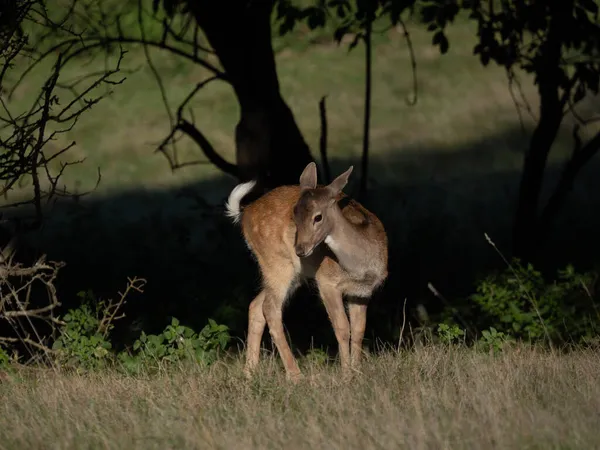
[
  {"x": 518, "y": 303},
  {"x": 84, "y": 342},
  {"x": 175, "y": 344}
]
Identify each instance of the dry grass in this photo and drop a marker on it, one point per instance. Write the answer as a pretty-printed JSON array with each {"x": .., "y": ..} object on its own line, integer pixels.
[{"x": 430, "y": 397}]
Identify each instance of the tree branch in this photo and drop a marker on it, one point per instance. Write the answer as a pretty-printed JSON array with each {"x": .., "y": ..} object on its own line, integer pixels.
[
  {"x": 323, "y": 140},
  {"x": 413, "y": 63},
  {"x": 581, "y": 156},
  {"x": 93, "y": 43},
  {"x": 207, "y": 148},
  {"x": 192, "y": 131}
]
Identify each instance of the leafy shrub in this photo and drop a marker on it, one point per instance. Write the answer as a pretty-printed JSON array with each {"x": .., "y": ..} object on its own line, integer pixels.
[
  {"x": 519, "y": 303},
  {"x": 522, "y": 304},
  {"x": 316, "y": 356},
  {"x": 83, "y": 341},
  {"x": 450, "y": 334},
  {"x": 493, "y": 340},
  {"x": 4, "y": 358},
  {"x": 177, "y": 343}
]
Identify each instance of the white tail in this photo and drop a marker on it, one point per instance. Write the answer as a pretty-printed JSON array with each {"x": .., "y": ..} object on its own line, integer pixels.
[
  {"x": 232, "y": 206},
  {"x": 304, "y": 232}
]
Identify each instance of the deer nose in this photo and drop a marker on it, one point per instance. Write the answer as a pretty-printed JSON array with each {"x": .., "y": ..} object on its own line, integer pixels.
[{"x": 302, "y": 251}]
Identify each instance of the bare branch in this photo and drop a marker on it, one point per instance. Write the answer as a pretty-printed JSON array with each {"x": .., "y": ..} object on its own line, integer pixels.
[
  {"x": 109, "y": 314},
  {"x": 192, "y": 131},
  {"x": 90, "y": 44},
  {"x": 413, "y": 63},
  {"x": 16, "y": 283},
  {"x": 207, "y": 148}
]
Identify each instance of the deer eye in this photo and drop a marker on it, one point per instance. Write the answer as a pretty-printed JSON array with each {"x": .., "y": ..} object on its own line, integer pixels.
[{"x": 318, "y": 218}]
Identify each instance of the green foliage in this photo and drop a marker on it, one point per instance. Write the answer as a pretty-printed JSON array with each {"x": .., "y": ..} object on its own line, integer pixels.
[
  {"x": 84, "y": 342},
  {"x": 554, "y": 40},
  {"x": 520, "y": 303},
  {"x": 493, "y": 340},
  {"x": 177, "y": 343},
  {"x": 450, "y": 334},
  {"x": 83, "y": 338},
  {"x": 4, "y": 357},
  {"x": 317, "y": 356},
  {"x": 346, "y": 16},
  {"x": 511, "y": 33}
]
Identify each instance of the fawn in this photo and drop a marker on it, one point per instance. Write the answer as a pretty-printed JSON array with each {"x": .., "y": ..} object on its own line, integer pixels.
[{"x": 311, "y": 232}]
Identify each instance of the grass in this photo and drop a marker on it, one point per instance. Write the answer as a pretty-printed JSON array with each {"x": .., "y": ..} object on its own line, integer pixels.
[{"x": 427, "y": 398}]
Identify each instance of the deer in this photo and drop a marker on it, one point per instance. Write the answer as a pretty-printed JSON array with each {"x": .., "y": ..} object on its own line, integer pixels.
[{"x": 310, "y": 233}]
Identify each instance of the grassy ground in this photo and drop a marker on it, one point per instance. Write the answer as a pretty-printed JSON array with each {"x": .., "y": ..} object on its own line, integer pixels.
[{"x": 427, "y": 398}]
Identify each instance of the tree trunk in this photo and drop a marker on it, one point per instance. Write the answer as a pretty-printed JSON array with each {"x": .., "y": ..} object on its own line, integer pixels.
[
  {"x": 269, "y": 144},
  {"x": 526, "y": 240}
]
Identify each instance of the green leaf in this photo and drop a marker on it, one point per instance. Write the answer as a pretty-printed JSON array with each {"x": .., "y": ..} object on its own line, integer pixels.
[{"x": 223, "y": 340}]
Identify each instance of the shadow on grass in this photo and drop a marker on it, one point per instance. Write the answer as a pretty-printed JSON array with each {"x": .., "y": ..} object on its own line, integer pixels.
[{"x": 436, "y": 207}]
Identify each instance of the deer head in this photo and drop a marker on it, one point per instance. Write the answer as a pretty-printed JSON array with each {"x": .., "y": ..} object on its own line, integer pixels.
[{"x": 314, "y": 213}]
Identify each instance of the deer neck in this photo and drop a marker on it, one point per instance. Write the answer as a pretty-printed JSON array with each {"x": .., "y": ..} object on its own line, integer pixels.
[{"x": 350, "y": 244}]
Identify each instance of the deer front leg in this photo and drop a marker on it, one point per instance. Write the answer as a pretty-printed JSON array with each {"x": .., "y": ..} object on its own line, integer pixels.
[
  {"x": 256, "y": 328},
  {"x": 357, "y": 309},
  {"x": 332, "y": 299}
]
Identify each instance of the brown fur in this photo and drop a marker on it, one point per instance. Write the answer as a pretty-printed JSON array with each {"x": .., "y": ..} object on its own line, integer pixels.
[{"x": 283, "y": 224}]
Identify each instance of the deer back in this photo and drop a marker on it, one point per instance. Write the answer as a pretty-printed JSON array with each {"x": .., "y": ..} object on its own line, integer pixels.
[{"x": 268, "y": 226}]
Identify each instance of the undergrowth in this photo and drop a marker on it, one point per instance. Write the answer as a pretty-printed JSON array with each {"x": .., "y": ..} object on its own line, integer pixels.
[{"x": 514, "y": 305}]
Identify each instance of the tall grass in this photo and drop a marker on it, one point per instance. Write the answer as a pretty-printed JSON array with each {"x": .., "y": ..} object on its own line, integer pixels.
[{"x": 428, "y": 397}]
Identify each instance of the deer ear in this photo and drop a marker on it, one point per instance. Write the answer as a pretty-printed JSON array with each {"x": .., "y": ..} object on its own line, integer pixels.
[
  {"x": 308, "y": 179},
  {"x": 340, "y": 182}
]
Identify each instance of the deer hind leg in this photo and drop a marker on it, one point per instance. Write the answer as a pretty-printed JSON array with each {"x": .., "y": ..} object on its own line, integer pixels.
[
  {"x": 279, "y": 284},
  {"x": 357, "y": 309},
  {"x": 334, "y": 304},
  {"x": 256, "y": 328}
]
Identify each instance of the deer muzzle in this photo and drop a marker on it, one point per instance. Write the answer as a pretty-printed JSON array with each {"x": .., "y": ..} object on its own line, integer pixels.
[{"x": 302, "y": 251}]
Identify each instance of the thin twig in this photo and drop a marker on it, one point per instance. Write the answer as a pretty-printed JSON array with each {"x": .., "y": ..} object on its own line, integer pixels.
[
  {"x": 413, "y": 63},
  {"x": 401, "y": 338}
]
